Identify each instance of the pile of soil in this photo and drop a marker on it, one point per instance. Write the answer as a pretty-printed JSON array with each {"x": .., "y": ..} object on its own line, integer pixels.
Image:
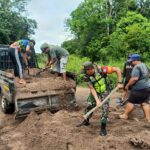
[
  {"x": 46, "y": 83},
  {"x": 59, "y": 132},
  {"x": 45, "y": 80}
]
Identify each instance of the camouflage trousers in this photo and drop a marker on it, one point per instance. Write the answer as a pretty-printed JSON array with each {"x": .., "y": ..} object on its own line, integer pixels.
[{"x": 92, "y": 103}]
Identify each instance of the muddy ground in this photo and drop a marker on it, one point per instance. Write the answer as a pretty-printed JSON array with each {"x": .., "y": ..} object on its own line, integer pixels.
[{"x": 59, "y": 132}]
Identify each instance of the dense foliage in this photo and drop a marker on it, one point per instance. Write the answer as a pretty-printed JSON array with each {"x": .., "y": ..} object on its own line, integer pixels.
[
  {"x": 109, "y": 28},
  {"x": 14, "y": 24},
  {"x": 75, "y": 64},
  {"x": 132, "y": 35}
]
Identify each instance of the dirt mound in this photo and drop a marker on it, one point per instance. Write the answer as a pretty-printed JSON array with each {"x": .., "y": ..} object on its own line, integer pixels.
[
  {"x": 47, "y": 129},
  {"x": 138, "y": 142},
  {"x": 60, "y": 92},
  {"x": 59, "y": 132},
  {"x": 46, "y": 82}
]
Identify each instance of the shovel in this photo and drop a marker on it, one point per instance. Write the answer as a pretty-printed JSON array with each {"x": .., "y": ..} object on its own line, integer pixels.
[
  {"x": 122, "y": 104},
  {"x": 95, "y": 108},
  {"x": 28, "y": 71},
  {"x": 38, "y": 73}
]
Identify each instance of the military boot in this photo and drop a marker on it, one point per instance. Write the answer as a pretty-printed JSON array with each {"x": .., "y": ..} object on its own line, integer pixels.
[
  {"x": 84, "y": 123},
  {"x": 103, "y": 131}
]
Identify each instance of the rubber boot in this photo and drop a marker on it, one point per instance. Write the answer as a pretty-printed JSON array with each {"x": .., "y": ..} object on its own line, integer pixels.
[
  {"x": 84, "y": 123},
  {"x": 103, "y": 131}
]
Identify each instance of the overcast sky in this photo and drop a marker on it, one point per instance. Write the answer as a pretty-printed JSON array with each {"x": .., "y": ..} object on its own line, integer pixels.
[{"x": 50, "y": 16}]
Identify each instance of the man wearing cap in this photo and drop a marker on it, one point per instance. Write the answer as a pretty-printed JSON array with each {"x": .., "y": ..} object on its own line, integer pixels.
[
  {"x": 140, "y": 88},
  {"x": 99, "y": 85},
  {"x": 57, "y": 56}
]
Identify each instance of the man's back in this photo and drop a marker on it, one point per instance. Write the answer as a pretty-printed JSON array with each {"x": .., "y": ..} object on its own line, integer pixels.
[
  {"x": 142, "y": 72},
  {"x": 57, "y": 52}
]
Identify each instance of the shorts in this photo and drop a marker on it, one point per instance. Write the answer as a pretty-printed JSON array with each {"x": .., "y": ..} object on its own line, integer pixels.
[
  {"x": 60, "y": 65},
  {"x": 139, "y": 96}
]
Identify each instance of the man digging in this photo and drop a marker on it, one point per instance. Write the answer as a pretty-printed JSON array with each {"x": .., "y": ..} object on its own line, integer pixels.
[
  {"x": 57, "y": 56},
  {"x": 140, "y": 88},
  {"x": 99, "y": 85}
]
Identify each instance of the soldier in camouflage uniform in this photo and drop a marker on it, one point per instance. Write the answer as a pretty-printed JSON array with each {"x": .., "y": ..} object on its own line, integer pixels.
[{"x": 99, "y": 85}]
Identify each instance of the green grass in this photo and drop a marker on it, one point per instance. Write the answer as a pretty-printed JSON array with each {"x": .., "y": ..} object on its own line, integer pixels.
[
  {"x": 42, "y": 59},
  {"x": 75, "y": 64}
]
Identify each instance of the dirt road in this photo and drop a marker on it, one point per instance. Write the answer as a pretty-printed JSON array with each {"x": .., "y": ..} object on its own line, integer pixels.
[{"x": 59, "y": 132}]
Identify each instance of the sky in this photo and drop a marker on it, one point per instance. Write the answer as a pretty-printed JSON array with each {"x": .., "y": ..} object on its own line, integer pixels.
[{"x": 50, "y": 16}]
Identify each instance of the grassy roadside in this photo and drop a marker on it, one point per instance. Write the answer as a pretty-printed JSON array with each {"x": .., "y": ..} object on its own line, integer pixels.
[{"x": 75, "y": 65}]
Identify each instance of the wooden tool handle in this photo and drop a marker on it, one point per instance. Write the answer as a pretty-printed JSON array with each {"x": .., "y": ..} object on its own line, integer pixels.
[{"x": 95, "y": 108}]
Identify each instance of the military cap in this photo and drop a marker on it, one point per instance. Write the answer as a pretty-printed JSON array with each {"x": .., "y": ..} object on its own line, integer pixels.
[
  {"x": 43, "y": 46},
  {"x": 87, "y": 65}
]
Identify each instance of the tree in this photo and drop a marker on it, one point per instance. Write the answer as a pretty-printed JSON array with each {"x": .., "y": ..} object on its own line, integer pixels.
[
  {"x": 93, "y": 22},
  {"x": 132, "y": 35},
  {"x": 13, "y": 23},
  {"x": 71, "y": 46},
  {"x": 143, "y": 7}
]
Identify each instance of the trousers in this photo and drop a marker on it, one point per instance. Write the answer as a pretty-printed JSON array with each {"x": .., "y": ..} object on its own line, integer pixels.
[{"x": 105, "y": 107}]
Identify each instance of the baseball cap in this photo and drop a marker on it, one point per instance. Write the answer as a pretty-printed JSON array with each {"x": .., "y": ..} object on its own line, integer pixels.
[
  {"x": 44, "y": 46},
  {"x": 88, "y": 65},
  {"x": 134, "y": 57}
]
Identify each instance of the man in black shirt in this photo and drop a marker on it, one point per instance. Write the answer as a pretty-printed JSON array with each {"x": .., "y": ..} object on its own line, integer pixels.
[{"x": 126, "y": 77}]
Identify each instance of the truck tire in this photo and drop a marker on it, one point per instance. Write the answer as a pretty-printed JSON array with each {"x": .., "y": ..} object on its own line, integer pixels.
[{"x": 7, "y": 108}]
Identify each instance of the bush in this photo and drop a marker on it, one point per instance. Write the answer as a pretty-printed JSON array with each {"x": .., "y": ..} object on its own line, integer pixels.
[
  {"x": 75, "y": 65},
  {"x": 41, "y": 58}
]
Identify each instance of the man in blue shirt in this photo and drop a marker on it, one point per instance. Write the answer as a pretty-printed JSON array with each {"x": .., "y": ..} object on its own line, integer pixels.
[{"x": 18, "y": 54}]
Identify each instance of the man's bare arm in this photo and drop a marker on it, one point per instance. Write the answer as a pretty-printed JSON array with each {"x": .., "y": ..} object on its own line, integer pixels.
[{"x": 94, "y": 93}]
